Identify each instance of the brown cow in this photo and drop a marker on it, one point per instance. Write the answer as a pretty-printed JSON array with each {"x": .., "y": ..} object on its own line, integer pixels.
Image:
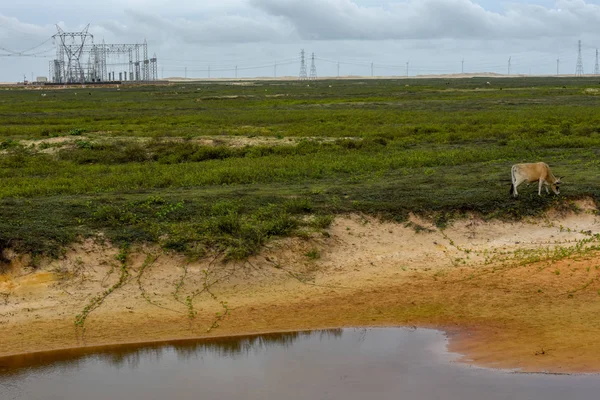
[{"x": 532, "y": 172}]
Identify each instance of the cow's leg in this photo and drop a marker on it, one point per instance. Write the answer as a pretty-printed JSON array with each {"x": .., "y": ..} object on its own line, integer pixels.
[
  {"x": 546, "y": 186},
  {"x": 540, "y": 184},
  {"x": 517, "y": 182}
]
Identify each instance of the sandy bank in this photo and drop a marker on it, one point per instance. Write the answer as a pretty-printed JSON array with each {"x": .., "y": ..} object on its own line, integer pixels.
[{"x": 512, "y": 295}]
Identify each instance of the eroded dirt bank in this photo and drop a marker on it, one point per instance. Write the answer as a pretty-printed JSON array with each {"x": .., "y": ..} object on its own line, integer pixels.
[{"x": 513, "y": 295}]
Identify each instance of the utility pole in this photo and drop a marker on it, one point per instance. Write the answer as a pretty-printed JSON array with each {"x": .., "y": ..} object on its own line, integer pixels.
[
  {"x": 596, "y": 67},
  {"x": 579, "y": 68},
  {"x": 509, "y": 64},
  {"x": 236, "y": 72},
  {"x": 407, "y": 69},
  {"x": 371, "y": 69},
  {"x": 209, "y": 72},
  {"x": 462, "y": 67},
  {"x": 185, "y": 72},
  {"x": 275, "y": 70},
  {"x": 338, "y": 67},
  {"x": 557, "y": 65}
]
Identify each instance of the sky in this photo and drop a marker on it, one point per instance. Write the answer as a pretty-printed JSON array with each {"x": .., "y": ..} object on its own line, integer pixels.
[{"x": 263, "y": 38}]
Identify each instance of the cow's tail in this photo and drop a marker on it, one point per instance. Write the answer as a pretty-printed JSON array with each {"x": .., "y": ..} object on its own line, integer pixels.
[{"x": 512, "y": 181}]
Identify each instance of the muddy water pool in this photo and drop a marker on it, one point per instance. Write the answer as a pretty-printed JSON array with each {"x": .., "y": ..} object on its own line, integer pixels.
[{"x": 377, "y": 363}]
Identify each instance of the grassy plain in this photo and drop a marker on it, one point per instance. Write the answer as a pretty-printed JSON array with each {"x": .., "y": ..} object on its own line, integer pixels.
[{"x": 134, "y": 164}]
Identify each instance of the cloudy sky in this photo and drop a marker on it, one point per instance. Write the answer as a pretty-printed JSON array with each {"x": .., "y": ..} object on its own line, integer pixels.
[{"x": 264, "y": 37}]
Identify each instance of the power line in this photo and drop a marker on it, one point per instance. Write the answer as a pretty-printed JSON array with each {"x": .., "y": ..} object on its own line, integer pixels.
[{"x": 26, "y": 53}]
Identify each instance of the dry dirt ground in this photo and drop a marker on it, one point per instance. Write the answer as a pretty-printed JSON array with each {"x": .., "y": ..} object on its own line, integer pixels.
[
  {"x": 53, "y": 145},
  {"x": 510, "y": 295}
]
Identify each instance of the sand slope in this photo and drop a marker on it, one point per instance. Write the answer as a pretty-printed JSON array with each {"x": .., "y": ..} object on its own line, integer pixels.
[{"x": 513, "y": 295}]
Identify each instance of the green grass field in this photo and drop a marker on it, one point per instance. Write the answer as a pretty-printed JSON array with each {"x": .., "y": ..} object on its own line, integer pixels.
[{"x": 133, "y": 165}]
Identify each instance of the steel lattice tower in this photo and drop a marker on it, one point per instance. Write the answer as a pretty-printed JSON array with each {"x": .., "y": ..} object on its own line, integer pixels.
[
  {"x": 313, "y": 67},
  {"x": 303, "y": 75},
  {"x": 138, "y": 75},
  {"x": 579, "y": 69},
  {"x": 67, "y": 65},
  {"x": 131, "y": 74},
  {"x": 146, "y": 73},
  {"x": 154, "y": 68},
  {"x": 596, "y": 68}
]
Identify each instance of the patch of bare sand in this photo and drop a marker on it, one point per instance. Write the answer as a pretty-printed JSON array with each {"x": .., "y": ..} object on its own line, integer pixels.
[
  {"x": 512, "y": 295},
  {"x": 52, "y": 145}
]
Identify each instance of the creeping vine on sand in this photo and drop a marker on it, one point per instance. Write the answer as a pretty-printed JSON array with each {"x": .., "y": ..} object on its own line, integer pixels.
[
  {"x": 219, "y": 316},
  {"x": 147, "y": 264},
  {"x": 97, "y": 301},
  {"x": 207, "y": 284},
  {"x": 179, "y": 284},
  {"x": 514, "y": 259}
]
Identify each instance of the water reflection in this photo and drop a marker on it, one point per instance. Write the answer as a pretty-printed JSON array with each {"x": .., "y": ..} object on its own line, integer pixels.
[
  {"x": 349, "y": 364},
  {"x": 130, "y": 355}
]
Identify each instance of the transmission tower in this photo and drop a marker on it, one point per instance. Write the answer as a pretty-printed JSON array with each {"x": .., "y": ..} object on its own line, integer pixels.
[
  {"x": 67, "y": 66},
  {"x": 596, "y": 68},
  {"x": 303, "y": 75},
  {"x": 313, "y": 67},
  {"x": 579, "y": 69}
]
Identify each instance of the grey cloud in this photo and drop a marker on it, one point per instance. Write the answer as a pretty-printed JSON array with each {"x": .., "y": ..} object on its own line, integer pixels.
[
  {"x": 213, "y": 30},
  {"x": 12, "y": 28},
  {"x": 431, "y": 19}
]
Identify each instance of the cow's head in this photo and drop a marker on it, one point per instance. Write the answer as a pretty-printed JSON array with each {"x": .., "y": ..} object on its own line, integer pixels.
[{"x": 556, "y": 186}]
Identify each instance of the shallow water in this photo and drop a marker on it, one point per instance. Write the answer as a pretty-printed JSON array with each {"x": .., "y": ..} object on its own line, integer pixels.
[{"x": 380, "y": 363}]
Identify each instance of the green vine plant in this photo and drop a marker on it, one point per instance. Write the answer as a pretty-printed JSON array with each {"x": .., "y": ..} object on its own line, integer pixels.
[
  {"x": 521, "y": 257},
  {"x": 219, "y": 316},
  {"x": 179, "y": 285},
  {"x": 207, "y": 284},
  {"x": 147, "y": 264},
  {"x": 97, "y": 301}
]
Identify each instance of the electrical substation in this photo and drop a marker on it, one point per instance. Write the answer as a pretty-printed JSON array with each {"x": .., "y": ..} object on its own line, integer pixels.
[{"x": 80, "y": 60}]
